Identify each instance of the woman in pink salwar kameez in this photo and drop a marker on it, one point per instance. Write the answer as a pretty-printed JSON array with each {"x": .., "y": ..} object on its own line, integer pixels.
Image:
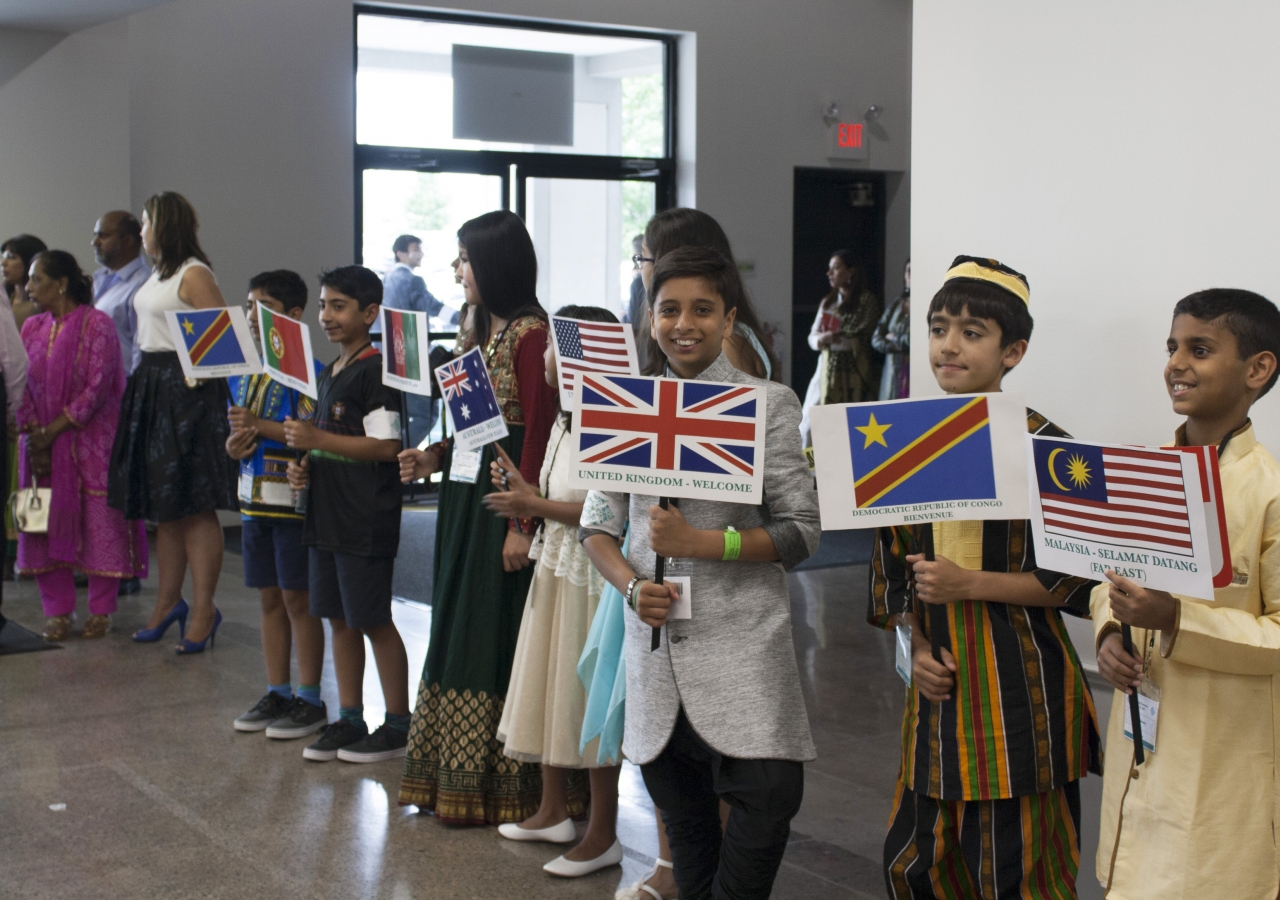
[{"x": 68, "y": 421}]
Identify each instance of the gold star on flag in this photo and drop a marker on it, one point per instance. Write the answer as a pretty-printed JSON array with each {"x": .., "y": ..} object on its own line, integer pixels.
[
  {"x": 874, "y": 432},
  {"x": 189, "y": 326}
]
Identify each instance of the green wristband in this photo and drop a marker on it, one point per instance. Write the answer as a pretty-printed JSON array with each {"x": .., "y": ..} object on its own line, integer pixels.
[{"x": 732, "y": 544}]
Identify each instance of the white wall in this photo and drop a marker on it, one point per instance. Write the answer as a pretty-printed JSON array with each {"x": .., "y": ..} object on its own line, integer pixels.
[
  {"x": 20, "y": 47},
  {"x": 1122, "y": 155},
  {"x": 64, "y": 141},
  {"x": 245, "y": 106}
]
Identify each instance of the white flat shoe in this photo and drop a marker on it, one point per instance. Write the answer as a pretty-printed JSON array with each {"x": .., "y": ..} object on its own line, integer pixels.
[
  {"x": 567, "y": 868},
  {"x": 564, "y": 833},
  {"x": 639, "y": 890}
]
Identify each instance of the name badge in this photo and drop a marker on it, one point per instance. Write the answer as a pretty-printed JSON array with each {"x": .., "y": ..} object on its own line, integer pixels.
[
  {"x": 1148, "y": 714},
  {"x": 902, "y": 657},
  {"x": 466, "y": 465},
  {"x": 683, "y": 607},
  {"x": 246, "y": 486}
]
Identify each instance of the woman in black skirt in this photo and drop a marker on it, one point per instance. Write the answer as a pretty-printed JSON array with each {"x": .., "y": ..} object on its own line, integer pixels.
[{"x": 168, "y": 464}]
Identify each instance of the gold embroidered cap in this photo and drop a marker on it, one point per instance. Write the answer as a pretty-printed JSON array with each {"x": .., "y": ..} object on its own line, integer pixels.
[{"x": 977, "y": 268}]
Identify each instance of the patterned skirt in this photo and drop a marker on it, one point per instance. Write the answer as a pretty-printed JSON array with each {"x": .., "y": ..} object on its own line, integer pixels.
[
  {"x": 455, "y": 765},
  {"x": 169, "y": 460}
]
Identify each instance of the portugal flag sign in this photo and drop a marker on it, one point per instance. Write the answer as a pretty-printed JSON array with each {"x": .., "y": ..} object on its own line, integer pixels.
[
  {"x": 405, "y": 337},
  {"x": 286, "y": 351}
]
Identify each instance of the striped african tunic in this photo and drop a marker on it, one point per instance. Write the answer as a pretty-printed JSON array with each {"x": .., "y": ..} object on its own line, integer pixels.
[{"x": 1021, "y": 720}]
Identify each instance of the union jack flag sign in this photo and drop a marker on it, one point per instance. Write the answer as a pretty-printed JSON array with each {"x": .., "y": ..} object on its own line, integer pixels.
[{"x": 668, "y": 437}]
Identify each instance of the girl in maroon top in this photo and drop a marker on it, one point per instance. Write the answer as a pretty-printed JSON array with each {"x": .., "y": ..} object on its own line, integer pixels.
[{"x": 455, "y": 766}]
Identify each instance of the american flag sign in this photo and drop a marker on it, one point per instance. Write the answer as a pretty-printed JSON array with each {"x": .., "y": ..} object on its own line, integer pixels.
[
  {"x": 1136, "y": 511},
  {"x": 669, "y": 437},
  {"x": 581, "y": 346},
  {"x": 474, "y": 413}
]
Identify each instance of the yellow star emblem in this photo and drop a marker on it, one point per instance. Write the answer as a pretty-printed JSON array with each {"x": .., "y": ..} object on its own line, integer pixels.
[
  {"x": 189, "y": 326},
  {"x": 874, "y": 432}
]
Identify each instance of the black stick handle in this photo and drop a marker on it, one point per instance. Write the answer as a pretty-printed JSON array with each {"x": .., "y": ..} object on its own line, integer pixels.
[
  {"x": 1135, "y": 710},
  {"x": 659, "y": 567},
  {"x": 300, "y": 497},
  {"x": 404, "y": 435},
  {"x": 937, "y": 614}
]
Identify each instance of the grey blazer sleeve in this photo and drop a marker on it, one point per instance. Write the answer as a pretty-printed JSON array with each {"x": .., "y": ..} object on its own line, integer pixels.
[{"x": 789, "y": 493}]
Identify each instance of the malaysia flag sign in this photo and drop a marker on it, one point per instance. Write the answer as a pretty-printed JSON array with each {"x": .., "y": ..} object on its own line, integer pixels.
[
  {"x": 1140, "y": 512},
  {"x": 669, "y": 438},
  {"x": 582, "y": 346},
  {"x": 474, "y": 413}
]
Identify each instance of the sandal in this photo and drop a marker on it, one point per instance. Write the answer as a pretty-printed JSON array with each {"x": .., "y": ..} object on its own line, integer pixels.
[
  {"x": 56, "y": 628},
  {"x": 638, "y": 890},
  {"x": 96, "y": 627}
]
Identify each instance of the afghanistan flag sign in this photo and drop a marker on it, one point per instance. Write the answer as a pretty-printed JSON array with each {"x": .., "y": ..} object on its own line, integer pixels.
[
  {"x": 405, "y": 337},
  {"x": 286, "y": 351},
  {"x": 213, "y": 343},
  {"x": 914, "y": 461}
]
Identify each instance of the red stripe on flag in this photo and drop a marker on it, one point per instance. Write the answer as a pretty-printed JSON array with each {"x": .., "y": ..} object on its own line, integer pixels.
[{"x": 627, "y": 446}]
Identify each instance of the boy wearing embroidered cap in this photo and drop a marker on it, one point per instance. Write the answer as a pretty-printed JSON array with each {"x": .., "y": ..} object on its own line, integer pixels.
[
  {"x": 997, "y": 735},
  {"x": 1198, "y": 817}
]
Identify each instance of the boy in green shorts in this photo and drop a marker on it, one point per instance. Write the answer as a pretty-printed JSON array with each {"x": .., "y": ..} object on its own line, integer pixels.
[{"x": 997, "y": 735}]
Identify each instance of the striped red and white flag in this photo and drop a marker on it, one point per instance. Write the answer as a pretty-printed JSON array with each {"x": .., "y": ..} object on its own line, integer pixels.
[{"x": 604, "y": 347}]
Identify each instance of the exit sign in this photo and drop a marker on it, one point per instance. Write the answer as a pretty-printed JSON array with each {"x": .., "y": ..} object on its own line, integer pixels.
[{"x": 847, "y": 140}]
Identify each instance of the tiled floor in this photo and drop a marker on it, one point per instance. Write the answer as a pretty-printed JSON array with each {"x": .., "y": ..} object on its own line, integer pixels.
[{"x": 163, "y": 799}]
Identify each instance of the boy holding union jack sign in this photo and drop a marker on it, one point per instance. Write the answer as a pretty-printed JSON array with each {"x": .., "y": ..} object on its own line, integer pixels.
[
  {"x": 716, "y": 710},
  {"x": 1000, "y": 729},
  {"x": 1204, "y": 670}
]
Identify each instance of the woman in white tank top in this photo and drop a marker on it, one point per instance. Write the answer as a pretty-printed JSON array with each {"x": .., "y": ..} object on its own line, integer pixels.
[{"x": 168, "y": 463}]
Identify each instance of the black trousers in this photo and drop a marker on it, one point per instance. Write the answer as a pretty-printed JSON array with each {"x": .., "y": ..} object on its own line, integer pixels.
[{"x": 687, "y": 782}]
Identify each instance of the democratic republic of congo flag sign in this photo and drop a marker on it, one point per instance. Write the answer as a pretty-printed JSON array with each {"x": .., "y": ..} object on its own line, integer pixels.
[
  {"x": 286, "y": 351},
  {"x": 213, "y": 343},
  {"x": 912, "y": 461},
  {"x": 404, "y": 346}
]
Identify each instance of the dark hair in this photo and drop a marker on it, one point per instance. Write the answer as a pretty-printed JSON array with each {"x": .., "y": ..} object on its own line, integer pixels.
[
  {"x": 683, "y": 227},
  {"x": 856, "y": 288},
  {"x": 25, "y": 247},
  {"x": 404, "y": 242},
  {"x": 173, "y": 227},
  {"x": 129, "y": 224},
  {"x": 984, "y": 300},
  {"x": 1252, "y": 319},
  {"x": 693, "y": 262},
  {"x": 360, "y": 284},
  {"x": 283, "y": 285},
  {"x": 505, "y": 268},
  {"x": 586, "y": 314},
  {"x": 56, "y": 264}
]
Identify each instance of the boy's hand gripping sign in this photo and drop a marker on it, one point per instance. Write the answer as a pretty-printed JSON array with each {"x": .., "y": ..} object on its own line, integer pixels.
[
  {"x": 669, "y": 438},
  {"x": 474, "y": 413},
  {"x": 1153, "y": 516},
  {"x": 915, "y": 461}
]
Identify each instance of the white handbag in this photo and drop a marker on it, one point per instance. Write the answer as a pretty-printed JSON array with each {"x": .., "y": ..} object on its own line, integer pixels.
[{"x": 30, "y": 508}]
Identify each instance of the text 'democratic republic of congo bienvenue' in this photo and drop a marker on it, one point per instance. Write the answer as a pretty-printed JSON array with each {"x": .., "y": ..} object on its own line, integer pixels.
[
  {"x": 909, "y": 462},
  {"x": 1134, "y": 511},
  {"x": 666, "y": 437}
]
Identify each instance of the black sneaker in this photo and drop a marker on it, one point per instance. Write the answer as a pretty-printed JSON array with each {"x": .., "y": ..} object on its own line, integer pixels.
[
  {"x": 268, "y": 709},
  {"x": 338, "y": 735},
  {"x": 302, "y": 719},
  {"x": 385, "y": 743}
]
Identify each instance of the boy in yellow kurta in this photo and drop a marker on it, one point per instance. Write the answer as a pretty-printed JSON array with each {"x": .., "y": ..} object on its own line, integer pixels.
[{"x": 1197, "y": 819}]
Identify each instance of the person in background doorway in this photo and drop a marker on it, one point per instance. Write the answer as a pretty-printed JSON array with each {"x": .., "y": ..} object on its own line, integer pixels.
[
  {"x": 893, "y": 338},
  {"x": 117, "y": 247},
  {"x": 68, "y": 418},
  {"x": 15, "y": 257},
  {"x": 637, "y": 315},
  {"x": 403, "y": 289},
  {"x": 849, "y": 368},
  {"x": 168, "y": 463}
]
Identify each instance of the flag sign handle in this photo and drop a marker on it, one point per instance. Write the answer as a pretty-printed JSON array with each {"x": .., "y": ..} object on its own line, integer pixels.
[
  {"x": 299, "y": 497},
  {"x": 404, "y": 436},
  {"x": 659, "y": 567},
  {"x": 1139, "y": 754},
  {"x": 937, "y": 614}
]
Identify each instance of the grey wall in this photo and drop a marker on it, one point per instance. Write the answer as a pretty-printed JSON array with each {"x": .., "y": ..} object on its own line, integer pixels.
[
  {"x": 245, "y": 106},
  {"x": 20, "y": 47}
]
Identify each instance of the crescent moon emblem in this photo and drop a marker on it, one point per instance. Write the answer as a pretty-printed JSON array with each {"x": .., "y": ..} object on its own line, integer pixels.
[{"x": 1053, "y": 474}]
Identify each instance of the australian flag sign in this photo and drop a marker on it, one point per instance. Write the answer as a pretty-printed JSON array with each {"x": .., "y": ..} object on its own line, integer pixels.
[
  {"x": 669, "y": 438},
  {"x": 474, "y": 414}
]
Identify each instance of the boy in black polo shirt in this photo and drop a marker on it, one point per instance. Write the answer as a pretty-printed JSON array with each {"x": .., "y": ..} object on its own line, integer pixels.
[{"x": 352, "y": 524}]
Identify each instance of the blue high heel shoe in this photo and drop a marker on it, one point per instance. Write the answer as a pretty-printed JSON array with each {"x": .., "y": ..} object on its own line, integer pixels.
[
  {"x": 151, "y": 635},
  {"x": 185, "y": 646}
]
